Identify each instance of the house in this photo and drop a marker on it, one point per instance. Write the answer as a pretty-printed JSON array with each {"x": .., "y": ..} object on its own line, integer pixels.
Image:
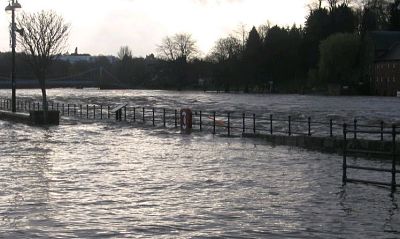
[{"x": 385, "y": 71}]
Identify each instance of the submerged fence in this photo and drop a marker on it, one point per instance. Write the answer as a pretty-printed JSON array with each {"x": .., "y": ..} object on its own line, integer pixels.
[{"x": 216, "y": 122}]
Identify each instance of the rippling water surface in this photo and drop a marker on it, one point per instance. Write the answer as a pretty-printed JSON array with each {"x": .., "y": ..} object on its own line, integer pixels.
[{"x": 115, "y": 180}]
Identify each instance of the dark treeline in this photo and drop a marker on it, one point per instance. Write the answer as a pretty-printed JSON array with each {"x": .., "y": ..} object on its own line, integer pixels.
[{"x": 332, "y": 48}]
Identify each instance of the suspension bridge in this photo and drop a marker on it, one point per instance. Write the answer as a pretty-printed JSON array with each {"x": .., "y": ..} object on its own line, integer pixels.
[{"x": 93, "y": 78}]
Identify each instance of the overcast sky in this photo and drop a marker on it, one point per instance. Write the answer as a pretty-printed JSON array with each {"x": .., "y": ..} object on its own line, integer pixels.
[{"x": 101, "y": 27}]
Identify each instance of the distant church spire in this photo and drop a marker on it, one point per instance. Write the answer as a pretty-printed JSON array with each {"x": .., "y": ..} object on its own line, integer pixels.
[{"x": 76, "y": 50}]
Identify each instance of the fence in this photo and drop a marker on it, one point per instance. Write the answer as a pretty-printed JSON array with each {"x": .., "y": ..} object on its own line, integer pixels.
[{"x": 215, "y": 122}]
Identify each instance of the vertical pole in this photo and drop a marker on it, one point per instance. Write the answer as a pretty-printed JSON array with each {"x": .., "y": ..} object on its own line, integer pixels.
[
  {"x": 254, "y": 123},
  {"x": 244, "y": 122},
  {"x": 57, "y": 106},
  {"x": 75, "y": 110},
  {"x": 52, "y": 105},
  {"x": 394, "y": 158},
  {"x": 271, "y": 126},
  {"x": 382, "y": 127},
  {"x": 125, "y": 113},
  {"x": 87, "y": 111},
  {"x": 331, "y": 127},
  {"x": 101, "y": 111},
  {"x": 214, "y": 122},
  {"x": 309, "y": 126},
  {"x": 344, "y": 176},
  {"x": 108, "y": 112},
  {"x": 80, "y": 110},
  {"x": 153, "y": 117},
  {"x": 164, "y": 120},
  {"x": 134, "y": 114},
  {"x": 176, "y": 118},
  {"x": 13, "y": 69},
  {"x": 63, "y": 109},
  {"x": 355, "y": 128},
  {"x": 290, "y": 125},
  {"x": 94, "y": 111},
  {"x": 229, "y": 124},
  {"x": 201, "y": 121},
  {"x": 68, "y": 109},
  {"x": 143, "y": 115}
]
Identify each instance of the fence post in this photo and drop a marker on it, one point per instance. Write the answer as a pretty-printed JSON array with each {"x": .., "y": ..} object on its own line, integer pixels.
[
  {"x": 108, "y": 112},
  {"x": 176, "y": 119},
  {"x": 331, "y": 128},
  {"x": 68, "y": 109},
  {"x": 80, "y": 110},
  {"x": 153, "y": 117},
  {"x": 125, "y": 110},
  {"x": 355, "y": 128},
  {"x": 201, "y": 121},
  {"x": 394, "y": 158},
  {"x": 309, "y": 126},
  {"x": 94, "y": 111},
  {"x": 344, "y": 176},
  {"x": 75, "y": 110},
  {"x": 254, "y": 123},
  {"x": 30, "y": 106},
  {"x": 271, "y": 126},
  {"x": 214, "y": 122},
  {"x": 63, "y": 109},
  {"x": 229, "y": 124},
  {"x": 134, "y": 114},
  {"x": 164, "y": 120},
  {"x": 244, "y": 122},
  {"x": 87, "y": 111},
  {"x": 382, "y": 128},
  {"x": 290, "y": 125},
  {"x": 101, "y": 111},
  {"x": 143, "y": 115}
]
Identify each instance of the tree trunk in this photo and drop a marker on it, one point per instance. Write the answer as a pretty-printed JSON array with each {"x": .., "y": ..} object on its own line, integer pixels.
[{"x": 44, "y": 100}]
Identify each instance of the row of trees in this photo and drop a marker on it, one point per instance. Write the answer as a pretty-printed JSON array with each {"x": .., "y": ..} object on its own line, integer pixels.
[{"x": 331, "y": 48}]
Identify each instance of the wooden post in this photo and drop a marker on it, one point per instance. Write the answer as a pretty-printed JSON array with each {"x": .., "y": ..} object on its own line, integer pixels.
[
  {"x": 143, "y": 115},
  {"x": 68, "y": 109},
  {"x": 108, "y": 112},
  {"x": 201, "y": 121},
  {"x": 176, "y": 118},
  {"x": 214, "y": 122},
  {"x": 254, "y": 123},
  {"x": 153, "y": 117},
  {"x": 229, "y": 124},
  {"x": 134, "y": 114},
  {"x": 164, "y": 120},
  {"x": 80, "y": 110},
  {"x": 94, "y": 111},
  {"x": 87, "y": 111},
  {"x": 382, "y": 128},
  {"x": 62, "y": 109},
  {"x": 244, "y": 122},
  {"x": 394, "y": 158},
  {"x": 331, "y": 127},
  {"x": 290, "y": 125},
  {"x": 309, "y": 126},
  {"x": 125, "y": 113},
  {"x": 30, "y": 106},
  {"x": 101, "y": 111},
  {"x": 355, "y": 128},
  {"x": 271, "y": 128},
  {"x": 344, "y": 176},
  {"x": 75, "y": 110}
]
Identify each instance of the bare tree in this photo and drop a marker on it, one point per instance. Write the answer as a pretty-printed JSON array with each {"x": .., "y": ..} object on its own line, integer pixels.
[
  {"x": 44, "y": 37},
  {"x": 179, "y": 46},
  {"x": 225, "y": 49},
  {"x": 124, "y": 52}
]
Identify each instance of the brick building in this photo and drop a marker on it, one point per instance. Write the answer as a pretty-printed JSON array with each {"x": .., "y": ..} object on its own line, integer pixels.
[{"x": 385, "y": 71}]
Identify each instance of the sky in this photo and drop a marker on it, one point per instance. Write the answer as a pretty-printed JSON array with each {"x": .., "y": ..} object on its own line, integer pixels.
[{"x": 101, "y": 27}]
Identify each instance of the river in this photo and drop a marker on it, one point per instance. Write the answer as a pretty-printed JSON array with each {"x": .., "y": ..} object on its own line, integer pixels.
[{"x": 108, "y": 180}]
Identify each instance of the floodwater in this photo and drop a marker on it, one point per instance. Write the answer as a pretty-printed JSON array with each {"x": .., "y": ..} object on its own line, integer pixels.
[{"x": 115, "y": 180}]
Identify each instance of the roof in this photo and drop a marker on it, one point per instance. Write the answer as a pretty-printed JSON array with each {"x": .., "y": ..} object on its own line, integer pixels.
[{"x": 384, "y": 40}]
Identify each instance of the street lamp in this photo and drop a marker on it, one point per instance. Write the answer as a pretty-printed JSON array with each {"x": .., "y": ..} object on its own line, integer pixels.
[{"x": 12, "y": 6}]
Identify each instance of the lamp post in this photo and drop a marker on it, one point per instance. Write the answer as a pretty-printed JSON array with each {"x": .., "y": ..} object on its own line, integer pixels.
[{"x": 12, "y": 6}]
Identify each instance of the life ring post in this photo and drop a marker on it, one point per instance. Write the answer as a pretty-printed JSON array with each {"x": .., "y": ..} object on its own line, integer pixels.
[{"x": 186, "y": 121}]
